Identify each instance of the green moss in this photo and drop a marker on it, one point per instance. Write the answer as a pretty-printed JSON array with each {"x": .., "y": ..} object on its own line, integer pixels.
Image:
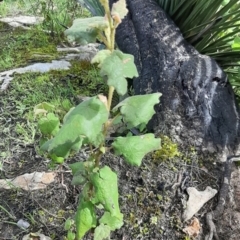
[
  {"x": 41, "y": 213},
  {"x": 154, "y": 220},
  {"x": 58, "y": 87},
  {"x": 144, "y": 230},
  {"x": 61, "y": 213},
  {"x": 19, "y": 47},
  {"x": 168, "y": 150},
  {"x": 159, "y": 197},
  {"x": 86, "y": 79}
]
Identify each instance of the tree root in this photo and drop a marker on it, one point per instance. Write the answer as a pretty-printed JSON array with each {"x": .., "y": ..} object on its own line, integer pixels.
[{"x": 223, "y": 193}]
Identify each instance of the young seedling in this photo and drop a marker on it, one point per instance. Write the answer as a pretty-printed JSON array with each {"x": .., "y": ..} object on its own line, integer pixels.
[{"x": 89, "y": 123}]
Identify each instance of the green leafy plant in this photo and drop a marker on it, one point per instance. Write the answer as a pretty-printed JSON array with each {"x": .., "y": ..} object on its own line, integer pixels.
[
  {"x": 58, "y": 14},
  {"x": 56, "y": 17},
  {"x": 89, "y": 124}
]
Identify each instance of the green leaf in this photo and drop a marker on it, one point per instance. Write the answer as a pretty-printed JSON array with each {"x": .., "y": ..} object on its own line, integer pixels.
[
  {"x": 101, "y": 232},
  {"x": 134, "y": 148},
  {"x": 70, "y": 235},
  {"x": 118, "y": 66},
  {"x": 78, "y": 166},
  {"x": 101, "y": 56},
  {"x": 43, "y": 107},
  {"x": 85, "y": 30},
  {"x": 85, "y": 218},
  {"x": 78, "y": 179},
  {"x": 138, "y": 109},
  {"x": 83, "y": 122},
  {"x": 67, "y": 114},
  {"x": 79, "y": 173},
  {"x": 106, "y": 190},
  {"x": 68, "y": 224},
  {"x": 56, "y": 159},
  {"x": 120, "y": 9},
  {"x": 66, "y": 104},
  {"x": 62, "y": 144},
  {"x": 49, "y": 125},
  {"x": 43, "y": 140},
  {"x": 91, "y": 114},
  {"x": 236, "y": 43},
  {"x": 112, "y": 221}
]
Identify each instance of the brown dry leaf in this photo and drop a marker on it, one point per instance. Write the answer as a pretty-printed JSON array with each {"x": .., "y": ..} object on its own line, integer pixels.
[
  {"x": 29, "y": 181},
  {"x": 35, "y": 236},
  {"x": 193, "y": 229}
]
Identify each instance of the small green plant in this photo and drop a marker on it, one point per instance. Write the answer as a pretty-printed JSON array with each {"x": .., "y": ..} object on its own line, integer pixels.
[{"x": 89, "y": 124}]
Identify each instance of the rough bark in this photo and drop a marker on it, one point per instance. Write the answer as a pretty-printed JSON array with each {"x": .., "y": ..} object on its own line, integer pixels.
[{"x": 198, "y": 104}]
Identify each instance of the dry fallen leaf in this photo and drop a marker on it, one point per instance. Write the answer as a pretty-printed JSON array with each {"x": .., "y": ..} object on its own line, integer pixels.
[
  {"x": 35, "y": 236},
  {"x": 196, "y": 200},
  {"x": 29, "y": 181},
  {"x": 193, "y": 229}
]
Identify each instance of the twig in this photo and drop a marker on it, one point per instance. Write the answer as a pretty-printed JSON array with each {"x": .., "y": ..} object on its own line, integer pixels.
[{"x": 178, "y": 183}]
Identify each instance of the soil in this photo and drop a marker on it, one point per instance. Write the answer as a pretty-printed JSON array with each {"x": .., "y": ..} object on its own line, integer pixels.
[{"x": 152, "y": 207}]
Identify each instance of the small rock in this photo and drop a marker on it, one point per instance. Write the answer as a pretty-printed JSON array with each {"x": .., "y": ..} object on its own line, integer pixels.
[{"x": 23, "y": 224}]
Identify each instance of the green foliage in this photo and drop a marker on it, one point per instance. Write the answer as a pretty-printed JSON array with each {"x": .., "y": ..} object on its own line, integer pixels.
[
  {"x": 81, "y": 171},
  {"x": 85, "y": 218},
  {"x": 106, "y": 190},
  {"x": 102, "y": 232},
  {"x": 89, "y": 122},
  {"x": 94, "y": 6},
  {"x": 137, "y": 110},
  {"x": 69, "y": 226},
  {"x": 58, "y": 14},
  {"x": 84, "y": 121},
  {"x": 112, "y": 222},
  {"x": 85, "y": 30},
  {"x": 49, "y": 124},
  {"x": 134, "y": 148},
  {"x": 117, "y": 76}
]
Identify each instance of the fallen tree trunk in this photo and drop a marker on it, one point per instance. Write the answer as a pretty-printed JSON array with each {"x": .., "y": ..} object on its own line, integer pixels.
[{"x": 198, "y": 104}]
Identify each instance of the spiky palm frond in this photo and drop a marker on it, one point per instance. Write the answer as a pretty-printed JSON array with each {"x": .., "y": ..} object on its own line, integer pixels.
[
  {"x": 211, "y": 27},
  {"x": 94, "y": 7}
]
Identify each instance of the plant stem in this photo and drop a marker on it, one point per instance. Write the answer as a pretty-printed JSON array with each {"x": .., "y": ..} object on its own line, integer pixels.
[
  {"x": 110, "y": 96},
  {"x": 113, "y": 30},
  {"x": 110, "y": 45},
  {"x": 109, "y": 41}
]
